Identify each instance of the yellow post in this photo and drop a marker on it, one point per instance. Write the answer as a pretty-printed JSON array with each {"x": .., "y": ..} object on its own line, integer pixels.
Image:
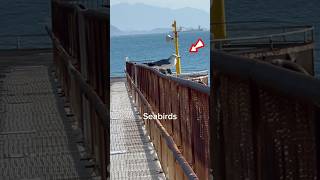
[
  {"x": 218, "y": 23},
  {"x": 176, "y": 43}
]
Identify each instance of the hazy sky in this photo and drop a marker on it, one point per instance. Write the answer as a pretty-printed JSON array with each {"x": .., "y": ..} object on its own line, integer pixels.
[{"x": 173, "y": 4}]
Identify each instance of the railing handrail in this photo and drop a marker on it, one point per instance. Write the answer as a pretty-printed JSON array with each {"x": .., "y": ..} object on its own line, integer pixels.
[
  {"x": 23, "y": 35},
  {"x": 281, "y": 80},
  {"x": 187, "y": 83},
  {"x": 96, "y": 101},
  {"x": 16, "y": 40},
  {"x": 269, "y": 27},
  {"x": 268, "y": 36}
]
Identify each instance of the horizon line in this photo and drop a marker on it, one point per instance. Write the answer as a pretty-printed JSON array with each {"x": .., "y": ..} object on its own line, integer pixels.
[{"x": 159, "y": 6}]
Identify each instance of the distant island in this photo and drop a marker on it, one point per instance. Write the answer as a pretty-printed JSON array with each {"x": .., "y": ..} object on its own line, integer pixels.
[
  {"x": 145, "y": 19},
  {"x": 115, "y": 31}
]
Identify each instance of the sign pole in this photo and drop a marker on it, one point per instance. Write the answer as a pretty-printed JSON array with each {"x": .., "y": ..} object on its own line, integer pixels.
[
  {"x": 176, "y": 43},
  {"x": 218, "y": 25}
]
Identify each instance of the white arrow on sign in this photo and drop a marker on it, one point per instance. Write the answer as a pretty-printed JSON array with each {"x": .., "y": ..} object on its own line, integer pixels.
[{"x": 194, "y": 47}]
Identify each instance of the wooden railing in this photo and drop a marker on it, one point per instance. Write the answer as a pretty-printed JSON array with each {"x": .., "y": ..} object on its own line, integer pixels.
[
  {"x": 182, "y": 143},
  {"x": 264, "y": 121},
  {"x": 81, "y": 56}
]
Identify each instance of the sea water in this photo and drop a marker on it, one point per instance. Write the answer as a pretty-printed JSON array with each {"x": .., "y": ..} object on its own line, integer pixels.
[{"x": 151, "y": 47}]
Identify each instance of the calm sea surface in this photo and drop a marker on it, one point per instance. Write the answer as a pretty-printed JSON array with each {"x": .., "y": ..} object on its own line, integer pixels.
[
  {"x": 18, "y": 17},
  {"x": 155, "y": 47}
]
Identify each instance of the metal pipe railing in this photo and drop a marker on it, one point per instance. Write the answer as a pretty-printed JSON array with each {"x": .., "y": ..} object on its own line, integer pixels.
[
  {"x": 189, "y": 84},
  {"x": 290, "y": 34},
  {"x": 303, "y": 31},
  {"x": 25, "y": 41}
]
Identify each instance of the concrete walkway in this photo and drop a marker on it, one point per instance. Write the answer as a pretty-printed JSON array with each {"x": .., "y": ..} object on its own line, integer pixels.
[
  {"x": 37, "y": 140},
  {"x": 132, "y": 155}
]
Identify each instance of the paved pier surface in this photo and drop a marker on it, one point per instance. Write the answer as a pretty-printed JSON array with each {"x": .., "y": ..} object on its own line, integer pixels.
[
  {"x": 37, "y": 140},
  {"x": 132, "y": 155}
]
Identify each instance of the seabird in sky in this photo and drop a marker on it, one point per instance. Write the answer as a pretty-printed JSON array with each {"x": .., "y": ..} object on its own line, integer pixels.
[{"x": 164, "y": 64}]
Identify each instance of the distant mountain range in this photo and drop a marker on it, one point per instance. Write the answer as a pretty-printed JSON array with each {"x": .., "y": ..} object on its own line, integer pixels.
[
  {"x": 114, "y": 31},
  {"x": 140, "y": 18}
]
